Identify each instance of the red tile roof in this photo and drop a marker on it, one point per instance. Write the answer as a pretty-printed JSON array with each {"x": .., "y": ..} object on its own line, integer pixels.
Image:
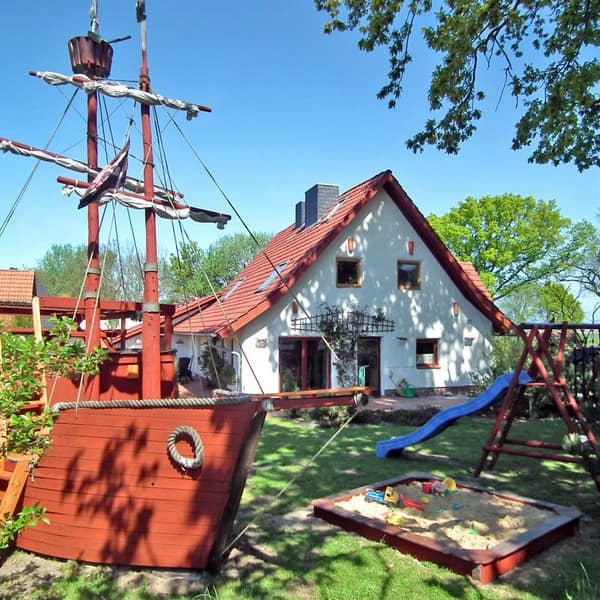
[
  {"x": 17, "y": 287},
  {"x": 473, "y": 275},
  {"x": 293, "y": 250}
]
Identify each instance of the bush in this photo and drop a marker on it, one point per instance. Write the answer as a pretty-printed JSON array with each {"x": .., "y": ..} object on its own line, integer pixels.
[{"x": 216, "y": 369}]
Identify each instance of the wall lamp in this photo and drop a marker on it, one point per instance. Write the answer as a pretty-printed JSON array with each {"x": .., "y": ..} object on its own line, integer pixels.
[
  {"x": 455, "y": 309},
  {"x": 350, "y": 244}
]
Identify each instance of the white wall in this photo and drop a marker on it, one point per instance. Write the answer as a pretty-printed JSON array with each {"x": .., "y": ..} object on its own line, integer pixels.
[{"x": 380, "y": 234}]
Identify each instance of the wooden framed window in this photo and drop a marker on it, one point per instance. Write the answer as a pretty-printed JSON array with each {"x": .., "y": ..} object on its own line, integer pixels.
[
  {"x": 409, "y": 275},
  {"x": 348, "y": 272},
  {"x": 427, "y": 356},
  {"x": 303, "y": 364}
]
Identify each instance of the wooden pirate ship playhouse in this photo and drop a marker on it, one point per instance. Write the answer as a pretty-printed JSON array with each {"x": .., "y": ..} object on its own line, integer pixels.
[{"x": 119, "y": 482}]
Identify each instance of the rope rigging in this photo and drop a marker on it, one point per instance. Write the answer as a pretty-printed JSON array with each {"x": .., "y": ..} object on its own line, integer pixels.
[
  {"x": 263, "y": 511},
  {"x": 180, "y": 234},
  {"x": 35, "y": 167}
]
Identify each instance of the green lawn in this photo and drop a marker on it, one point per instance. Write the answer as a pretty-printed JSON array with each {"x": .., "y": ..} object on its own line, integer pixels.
[{"x": 283, "y": 554}]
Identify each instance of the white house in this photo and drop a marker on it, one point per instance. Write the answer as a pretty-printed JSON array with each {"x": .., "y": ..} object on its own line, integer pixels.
[{"x": 427, "y": 318}]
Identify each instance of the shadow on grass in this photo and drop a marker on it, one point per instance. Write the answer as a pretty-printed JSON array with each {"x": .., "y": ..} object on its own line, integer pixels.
[{"x": 286, "y": 551}]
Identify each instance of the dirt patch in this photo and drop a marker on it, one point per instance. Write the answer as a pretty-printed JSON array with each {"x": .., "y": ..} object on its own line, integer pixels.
[
  {"x": 467, "y": 519},
  {"x": 22, "y": 573}
]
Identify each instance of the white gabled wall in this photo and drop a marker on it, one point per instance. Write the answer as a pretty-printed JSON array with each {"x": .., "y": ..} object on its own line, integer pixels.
[{"x": 381, "y": 236}]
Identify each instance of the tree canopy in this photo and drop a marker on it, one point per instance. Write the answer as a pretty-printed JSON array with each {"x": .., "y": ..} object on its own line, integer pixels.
[
  {"x": 542, "y": 302},
  {"x": 547, "y": 50},
  {"x": 62, "y": 269},
  {"x": 195, "y": 272},
  {"x": 513, "y": 240}
]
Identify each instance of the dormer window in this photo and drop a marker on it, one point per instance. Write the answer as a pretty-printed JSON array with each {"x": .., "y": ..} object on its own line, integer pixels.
[
  {"x": 409, "y": 275},
  {"x": 348, "y": 272}
]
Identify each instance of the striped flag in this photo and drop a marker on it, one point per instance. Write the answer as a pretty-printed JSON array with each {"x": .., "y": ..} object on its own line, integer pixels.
[{"x": 110, "y": 177}]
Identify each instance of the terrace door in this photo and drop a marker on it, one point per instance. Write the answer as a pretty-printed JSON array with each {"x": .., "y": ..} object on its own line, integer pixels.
[
  {"x": 368, "y": 362},
  {"x": 303, "y": 364}
]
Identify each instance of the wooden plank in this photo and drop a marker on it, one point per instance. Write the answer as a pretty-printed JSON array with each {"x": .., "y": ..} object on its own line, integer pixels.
[
  {"x": 54, "y": 494},
  {"x": 135, "y": 523},
  {"x": 162, "y": 466},
  {"x": 136, "y": 551},
  {"x": 15, "y": 488},
  {"x": 37, "y": 333},
  {"x": 82, "y": 436}
]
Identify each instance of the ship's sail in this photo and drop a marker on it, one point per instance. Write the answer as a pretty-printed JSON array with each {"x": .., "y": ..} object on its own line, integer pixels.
[
  {"x": 131, "y": 184},
  {"x": 117, "y": 90},
  {"x": 166, "y": 203}
]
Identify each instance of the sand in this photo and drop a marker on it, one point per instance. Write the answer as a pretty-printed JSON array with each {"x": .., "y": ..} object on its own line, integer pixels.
[{"x": 465, "y": 518}]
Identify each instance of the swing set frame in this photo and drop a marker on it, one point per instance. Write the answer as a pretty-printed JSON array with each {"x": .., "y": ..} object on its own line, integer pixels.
[{"x": 543, "y": 359}]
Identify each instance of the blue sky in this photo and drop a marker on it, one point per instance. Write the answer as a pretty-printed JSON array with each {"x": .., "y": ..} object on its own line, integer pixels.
[{"x": 291, "y": 107}]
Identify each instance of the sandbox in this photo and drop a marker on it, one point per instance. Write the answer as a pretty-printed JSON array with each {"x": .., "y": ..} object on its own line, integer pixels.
[{"x": 469, "y": 530}]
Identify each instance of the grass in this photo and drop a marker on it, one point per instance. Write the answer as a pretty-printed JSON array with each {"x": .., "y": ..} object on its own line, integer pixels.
[{"x": 283, "y": 556}]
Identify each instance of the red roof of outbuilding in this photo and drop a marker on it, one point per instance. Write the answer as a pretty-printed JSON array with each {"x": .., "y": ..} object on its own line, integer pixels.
[
  {"x": 293, "y": 250},
  {"x": 17, "y": 287}
]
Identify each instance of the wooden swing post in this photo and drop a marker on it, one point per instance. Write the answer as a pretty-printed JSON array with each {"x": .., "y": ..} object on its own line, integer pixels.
[{"x": 545, "y": 368}]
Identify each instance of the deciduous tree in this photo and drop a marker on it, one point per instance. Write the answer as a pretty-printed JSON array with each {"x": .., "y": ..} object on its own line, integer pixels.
[
  {"x": 195, "y": 272},
  {"x": 549, "y": 301},
  {"x": 513, "y": 240},
  {"x": 548, "y": 51},
  {"x": 61, "y": 271}
]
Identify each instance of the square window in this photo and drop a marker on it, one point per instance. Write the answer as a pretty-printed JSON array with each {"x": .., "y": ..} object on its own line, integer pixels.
[
  {"x": 409, "y": 275},
  {"x": 427, "y": 356},
  {"x": 348, "y": 272}
]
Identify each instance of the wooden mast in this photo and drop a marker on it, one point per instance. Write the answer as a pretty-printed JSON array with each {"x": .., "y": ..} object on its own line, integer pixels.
[
  {"x": 92, "y": 275},
  {"x": 151, "y": 361},
  {"x": 92, "y": 56}
]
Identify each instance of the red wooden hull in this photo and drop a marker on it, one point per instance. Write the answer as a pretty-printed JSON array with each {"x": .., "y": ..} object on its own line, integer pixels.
[{"x": 114, "y": 496}]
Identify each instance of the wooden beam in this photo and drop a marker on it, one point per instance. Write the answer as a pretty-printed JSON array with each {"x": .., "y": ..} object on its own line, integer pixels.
[{"x": 15, "y": 487}]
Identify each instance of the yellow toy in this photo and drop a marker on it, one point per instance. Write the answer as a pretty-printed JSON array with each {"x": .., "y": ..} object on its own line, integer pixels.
[{"x": 391, "y": 496}]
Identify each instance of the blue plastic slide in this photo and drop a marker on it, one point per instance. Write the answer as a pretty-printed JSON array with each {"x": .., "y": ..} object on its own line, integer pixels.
[{"x": 446, "y": 417}]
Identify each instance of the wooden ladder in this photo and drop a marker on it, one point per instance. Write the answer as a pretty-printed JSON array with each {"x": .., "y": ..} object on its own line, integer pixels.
[
  {"x": 13, "y": 474},
  {"x": 12, "y": 483},
  {"x": 14, "y": 470}
]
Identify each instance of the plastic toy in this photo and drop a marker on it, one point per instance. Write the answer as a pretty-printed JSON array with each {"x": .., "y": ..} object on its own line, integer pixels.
[
  {"x": 391, "y": 496},
  {"x": 375, "y": 496},
  {"x": 408, "y": 503},
  {"x": 394, "y": 518},
  {"x": 450, "y": 484}
]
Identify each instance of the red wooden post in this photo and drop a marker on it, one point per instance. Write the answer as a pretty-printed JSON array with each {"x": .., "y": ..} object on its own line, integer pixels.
[
  {"x": 151, "y": 367},
  {"x": 92, "y": 276}
]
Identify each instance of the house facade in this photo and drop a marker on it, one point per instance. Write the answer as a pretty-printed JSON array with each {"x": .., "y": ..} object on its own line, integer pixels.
[{"x": 367, "y": 262}]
